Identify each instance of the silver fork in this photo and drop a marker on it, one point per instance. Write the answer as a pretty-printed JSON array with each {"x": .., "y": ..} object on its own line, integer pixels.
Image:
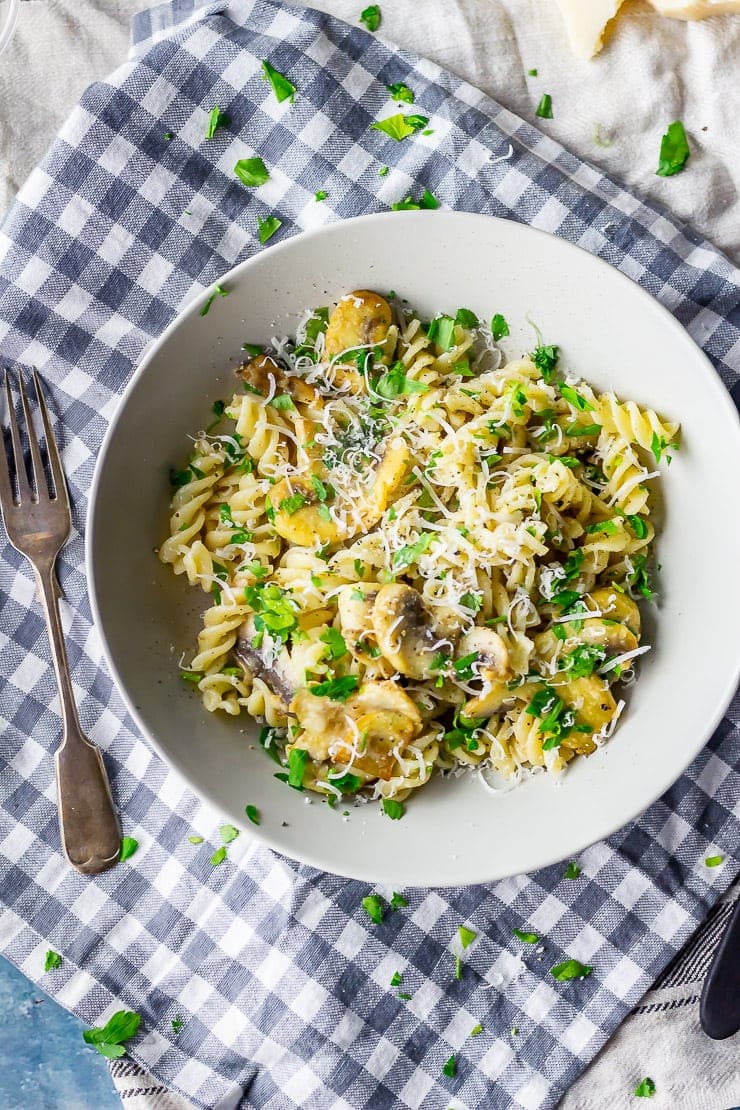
[{"x": 38, "y": 521}]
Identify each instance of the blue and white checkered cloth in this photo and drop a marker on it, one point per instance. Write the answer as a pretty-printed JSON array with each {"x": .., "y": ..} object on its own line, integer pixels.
[{"x": 279, "y": 976}]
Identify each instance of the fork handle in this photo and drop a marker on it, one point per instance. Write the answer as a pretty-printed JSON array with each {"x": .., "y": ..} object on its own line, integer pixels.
[{"x": 89, "y": 828}]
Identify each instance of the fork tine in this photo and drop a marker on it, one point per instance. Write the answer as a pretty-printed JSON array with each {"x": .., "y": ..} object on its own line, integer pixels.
[
  {"x": 24, "y": 489},
  {"x": 42, "y": 488},
  {"x": 6, "y": 490},
  {"x": 60, "y": 484}
]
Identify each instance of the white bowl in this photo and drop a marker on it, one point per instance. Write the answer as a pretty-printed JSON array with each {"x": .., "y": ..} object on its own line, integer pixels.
[{"x": 610, "y": 331}]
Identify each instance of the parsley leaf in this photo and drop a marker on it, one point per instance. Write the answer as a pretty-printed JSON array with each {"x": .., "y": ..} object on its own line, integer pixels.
[
  {"x": 251, "y": 172},
  {"x": 320, "y": 194},
  {"x": 218, "y": 291},
  {"x": 338, "y": 689},
  {"x": 645, "y": 1088},
  {"x": 466, "y": 319},
  {"x": 399, "y": 91},
  {"x": 442, "y": 332},
  {"x": 572, "y": 871},
  {"x": 297, "y": 760},
  {"x": 53, "y": 960},
  {"x": 228, "y": 833},
  {"x": 450, "y": 1068},
  {"x": 281, "y": 86},
  {"x": 397, "y": 901},
  {"x": 216, "y": 119},
  {"x": 194, "y": 839},
  {"x": 177, "y": 1024},
  {"x": 544, "y": 108},
  {"x": 218, "y": 856},
  {"x": 335, "y": 642},
  {"x": 375, "y": 907},
  {"x": 253, "y": 814},
  {"x": 577, "y": 400},
  {"x": 274, "y": 610},
  {"x": 527, "y": 938},
  {"x": 427, "y": 201},
  {"x": 283, "y": 402},
  {"x": 108, "y": 1039},
  {"x": 396, "y": 978},
  {"x": 399, "y": 127},
  {"x": 464, "y": 666},
  {"x": 292, "y": 504},
  {"x": 674, "y": 150},
  {"x": 395, "y": 384},
  {"x": 476, "y": 1030},
  {"x": 545, "y": 359},
  {"x": 371, "y": 17},
  {"x": 660, "y": 447},
  {"x": 128, "y": 847},
  {"x": 347, "y": 783},
  {"x": 268, "y": 227},
  {"x": 499, "y": 327},
  {"x": 467, "y": 936},
  {"x": 411, "y": 552},
  {"x": 570, "y": 969},
  {"x": 393, "y": 809},
  {"x": 713, "y": 861}
]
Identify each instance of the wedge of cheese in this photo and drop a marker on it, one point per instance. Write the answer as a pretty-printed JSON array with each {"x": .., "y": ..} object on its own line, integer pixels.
[
  {"x": 695, "y": 9},
  {"x": 586, "y": 21}
]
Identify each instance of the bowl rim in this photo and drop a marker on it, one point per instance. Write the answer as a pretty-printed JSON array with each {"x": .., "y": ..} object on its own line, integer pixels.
[{"x": 713, "y": 381}]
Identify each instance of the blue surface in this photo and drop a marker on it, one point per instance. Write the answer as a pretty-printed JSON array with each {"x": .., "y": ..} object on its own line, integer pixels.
[{"x": 44, "y": 1063}]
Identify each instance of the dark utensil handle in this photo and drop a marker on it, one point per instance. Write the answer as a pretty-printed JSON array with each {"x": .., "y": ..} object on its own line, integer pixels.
[{"x": 719, "y": 1010}]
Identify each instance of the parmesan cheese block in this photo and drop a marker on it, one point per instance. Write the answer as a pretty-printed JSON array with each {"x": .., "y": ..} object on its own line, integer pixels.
[
  {"x": 695, "y": 9},
  {"x": 586, "y": 21}
]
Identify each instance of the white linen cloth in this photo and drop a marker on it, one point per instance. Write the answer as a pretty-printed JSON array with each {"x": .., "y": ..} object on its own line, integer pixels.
[{"x": 651, "y": 72}]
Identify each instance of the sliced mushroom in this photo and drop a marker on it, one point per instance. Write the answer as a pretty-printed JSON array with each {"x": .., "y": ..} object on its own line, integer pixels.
[
  {"x": 615, "y": 638},
  {"x": 356, "y": 616},
  {"x": 274, "y": 670},
  {"x": 384, "y": 697},
  {"x": 389, "y": 475},
  {"x": 492, "y": 666},
  {"x": 309, "y": 523},
  {"x": 617, "y": 607},
  {"x": 405, "y": 630},
  {"x": 323, "y": 722},
  {"x": 361, "y": 319},
  {"x": 592, "y": 701},
  {"x": 260, "y": 369}
]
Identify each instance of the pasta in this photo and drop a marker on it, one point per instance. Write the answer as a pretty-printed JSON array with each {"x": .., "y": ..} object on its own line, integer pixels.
[{"x": 418, "y": 558}]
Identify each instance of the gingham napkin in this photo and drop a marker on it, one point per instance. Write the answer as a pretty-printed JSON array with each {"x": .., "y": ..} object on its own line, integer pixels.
[{"x": 280, "y": 979}]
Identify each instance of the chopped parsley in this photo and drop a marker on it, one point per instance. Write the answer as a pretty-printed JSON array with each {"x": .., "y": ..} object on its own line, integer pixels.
[
  {"x": 713, "y": 861},
  {"x": 252, "y": 172},
  {"x": 52, "y": 961},
  {"x": 374, "y": 907},
  {"x": 476, "y": 1030},
  {"x": 660, "y": 447},
  {"x": 545, "y": 359},
  {"x": 337, "y": 689},
  {"x": 128, "y": 847},
  {"x": 532, "y": 73},
  {"x": 645, "y": 1088},
  {"x": 371, "y": 17},
  {"x": 216, "y": 119},
  {"x": 467, "y": 936},
  {"x": 583, "y": 660},
  {"x": 395, "y": 384},
  {"x": 335, "y": 643},
  {"x": 458, "y": 968},
  {"x": 266, "y": 741},
  {"x": 396, "y": 978},
  {"x": 281, "y": 86},
  {"x": 297, "y": 760},
  {"x": 544, "y": 108},
  {"x": 577, "y": 400},
  {"x": 177, "y": 1024},
  {"x": 638, "y": 526},
  {"x": 442, "y": 332},
  {"x": 499, "y": 327},
  {"x": 411, "y": 552},
  {"x": 320, "y": 194},
  {"x": 525, "y": 937},
  {"x": 398, "y": 901},
  {"x": 572, "y": 871},
  {"x": 427, "y": 200},
  {"x": 217, "y": 291},
  {"x": 674, "y": 150},
  {"x": 464, "y": 666},
  {"x": 268, "y": 227},
  {"x": 399, "y": 127},
  {"x": 228, "y": 833},
  {"x": 108, "y": 1039},
  {"x": 393, "y": 809},
  {"x": 472, "y": 601},
  {"x": 283, "y": 402},
  {"x": 570, "y": 969},
  {"x": 399, "y": 91},
  {"x": 466, "y": 319},
  {"x": 253, "y": 814},
  {"x": 583, "y": 429},
  {"x": 347, "y": 783},
  {"x": 556, "y": 720},
  {"x": 195, "y": 839},
  {"x": 274, "y": 610},
  {"x": 292, "y": 504},
  {"x": 193, "y": 677},
  {"x": 218, "y": 856},
  {"x": 450, "y": 1068}
]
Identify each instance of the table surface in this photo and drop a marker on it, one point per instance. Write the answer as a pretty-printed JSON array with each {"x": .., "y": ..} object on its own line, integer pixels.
[{"x": 44, "y": 1063}]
